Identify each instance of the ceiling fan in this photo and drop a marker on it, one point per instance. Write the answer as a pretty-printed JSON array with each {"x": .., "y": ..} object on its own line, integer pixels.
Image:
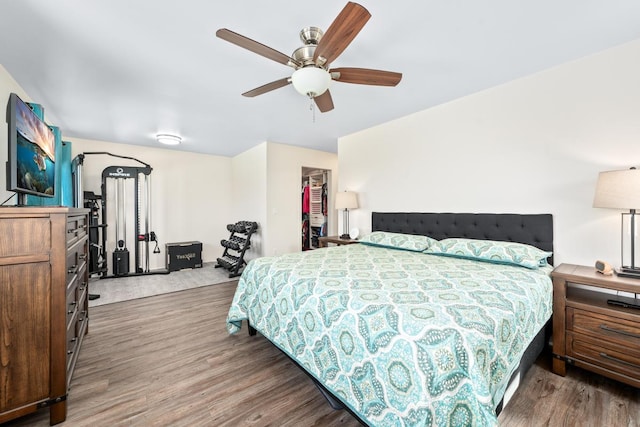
[{"x": 312, "y": 74}]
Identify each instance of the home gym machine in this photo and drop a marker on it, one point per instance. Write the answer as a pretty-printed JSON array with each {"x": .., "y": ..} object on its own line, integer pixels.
[{"x": 118, "y": 184}]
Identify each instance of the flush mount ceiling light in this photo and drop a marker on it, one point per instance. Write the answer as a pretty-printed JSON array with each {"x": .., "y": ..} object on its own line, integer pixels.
[
  {"x": 168, "y": 139},
  {"x": 311, "y": 81}
]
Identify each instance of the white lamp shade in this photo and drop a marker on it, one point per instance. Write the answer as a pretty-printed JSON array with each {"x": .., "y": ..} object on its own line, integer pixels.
[
  {"x": 346, "y": 200},
  {"x": 618, "y": 189},
  {"x": 311, "y": 81}
]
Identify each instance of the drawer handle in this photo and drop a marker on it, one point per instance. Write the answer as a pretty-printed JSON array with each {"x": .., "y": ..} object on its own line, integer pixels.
[
  {"x": 82, "y": 256},
  {"x": 618, "y": 331},
  {"x": 71, "y": 231},
  {"x": 73, "y": 269},
  {"x": 69, "y": 352},
  {"x": 615, "y": 359}
]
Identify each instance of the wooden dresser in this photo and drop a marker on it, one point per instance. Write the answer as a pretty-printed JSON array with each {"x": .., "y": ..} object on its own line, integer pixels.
[
  {"x": 588, "y": 332},
  {"x": 43, "y": 306}
]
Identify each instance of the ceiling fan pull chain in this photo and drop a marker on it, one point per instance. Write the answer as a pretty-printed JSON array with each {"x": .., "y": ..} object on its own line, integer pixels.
[{"x": 312, "y": 108}]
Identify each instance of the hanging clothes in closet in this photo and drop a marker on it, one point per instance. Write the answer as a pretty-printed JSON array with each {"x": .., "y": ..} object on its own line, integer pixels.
[
  {"x": 305, "y": 218},
  {"x": 314, "y": 207}
]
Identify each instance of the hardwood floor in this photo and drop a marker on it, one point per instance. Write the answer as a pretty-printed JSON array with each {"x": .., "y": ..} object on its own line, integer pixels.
[
  {"x": 581, "y": 399},
  {"x": 167, "y": 360}
]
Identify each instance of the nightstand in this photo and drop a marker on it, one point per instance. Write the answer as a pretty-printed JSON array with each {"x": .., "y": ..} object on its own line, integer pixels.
[
  {"x": 324, "y": 241},
  {"x": 588, "y": 332}
]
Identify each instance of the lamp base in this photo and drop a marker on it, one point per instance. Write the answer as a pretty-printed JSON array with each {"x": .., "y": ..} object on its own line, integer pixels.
[
  {"x": 345, "y": 237},
  {"x": 634, "y": 273}
]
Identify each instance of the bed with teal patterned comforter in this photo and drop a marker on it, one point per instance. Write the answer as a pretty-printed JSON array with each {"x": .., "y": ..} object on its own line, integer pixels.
[{"x": 403, "y": 338}]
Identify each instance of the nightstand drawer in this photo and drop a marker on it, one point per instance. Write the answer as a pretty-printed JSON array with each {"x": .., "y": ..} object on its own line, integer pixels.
[
  {"x": 622, "y": 359},
  {"x": 599, "y": 326}
]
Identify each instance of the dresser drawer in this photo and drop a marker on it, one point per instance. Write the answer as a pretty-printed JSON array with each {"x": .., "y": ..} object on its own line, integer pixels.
[
  {"x": 602, "y": 327},
  {"x": 82, "y": 290},
  {"x": 76, "y": 329},
  {"x": 72, "y": 302},
  {"x": 76, "y": 259},
  {"x": 72, "y": 340},
  {"x": 617, "y": 358},
  {"x": 75, "y": 336},
  {"x": 24, "y": 236},
  {"x": 76, "y": 228}
]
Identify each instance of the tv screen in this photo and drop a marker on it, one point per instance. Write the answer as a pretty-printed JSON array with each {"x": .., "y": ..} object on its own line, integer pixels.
[{"x": 31, "y": 164}]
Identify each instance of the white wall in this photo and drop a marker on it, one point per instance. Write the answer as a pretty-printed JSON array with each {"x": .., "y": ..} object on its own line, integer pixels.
[
  {"x": 534, "y": 145},
  {"x": 249, "y": 196},
  {"x": 7, "y": 85},
  {"x": 284, "y": 199}
]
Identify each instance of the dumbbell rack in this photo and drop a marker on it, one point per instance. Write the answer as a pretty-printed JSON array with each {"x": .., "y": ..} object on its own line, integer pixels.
[{"x": 235, "y": 246}]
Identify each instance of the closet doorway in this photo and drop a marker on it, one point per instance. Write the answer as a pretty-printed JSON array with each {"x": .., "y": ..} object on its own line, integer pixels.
[{"x": 315, "y": 209}]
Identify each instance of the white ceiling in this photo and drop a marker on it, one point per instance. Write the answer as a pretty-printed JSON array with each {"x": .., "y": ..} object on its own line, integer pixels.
[{"x": 124, "y": 70}]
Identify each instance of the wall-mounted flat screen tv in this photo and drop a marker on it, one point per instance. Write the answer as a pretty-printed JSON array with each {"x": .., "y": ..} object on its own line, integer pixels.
[{"x": 31, "y": 164}]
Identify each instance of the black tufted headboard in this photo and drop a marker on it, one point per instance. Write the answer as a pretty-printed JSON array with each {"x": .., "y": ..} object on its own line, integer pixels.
[{"x": 532, "y": 229}]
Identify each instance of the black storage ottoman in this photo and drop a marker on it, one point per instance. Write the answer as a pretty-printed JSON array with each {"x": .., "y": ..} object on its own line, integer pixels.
[{"x": 183, "y": 255}]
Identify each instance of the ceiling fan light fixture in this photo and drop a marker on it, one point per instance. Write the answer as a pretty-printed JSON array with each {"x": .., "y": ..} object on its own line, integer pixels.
[
  {"x": 168, "y": 139},
  {"x": 311, "y": 81}
]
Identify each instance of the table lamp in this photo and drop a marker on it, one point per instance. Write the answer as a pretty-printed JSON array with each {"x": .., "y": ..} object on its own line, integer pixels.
[
  {"x": 621, "y": 190},
  {"x": 346, "y": 200}
]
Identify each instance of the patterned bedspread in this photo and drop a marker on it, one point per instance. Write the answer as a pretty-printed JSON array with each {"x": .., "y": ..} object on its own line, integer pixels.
[{"x": 404, "y": 338}]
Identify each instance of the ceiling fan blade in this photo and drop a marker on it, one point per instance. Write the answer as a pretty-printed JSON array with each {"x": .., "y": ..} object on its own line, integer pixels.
[
  {"x": 342, "y": 31},
  {"x": 268, "y": 87},
  {"x": 256, "y": 47},
  {"x": 366, "y": 76},
  {"x": 324, "y": 102}
]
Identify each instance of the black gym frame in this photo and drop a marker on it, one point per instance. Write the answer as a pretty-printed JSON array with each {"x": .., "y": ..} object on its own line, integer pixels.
[
  {"x": 98, "y": 203},
  {"x": 128, "y": 172}
]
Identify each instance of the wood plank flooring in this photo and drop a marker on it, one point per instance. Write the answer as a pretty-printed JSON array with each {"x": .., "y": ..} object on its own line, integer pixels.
[{"x": 167, "y": 360}]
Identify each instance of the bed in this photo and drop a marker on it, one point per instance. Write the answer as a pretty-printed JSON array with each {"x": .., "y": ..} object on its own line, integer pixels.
[{"x": 404, "y": 329}]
